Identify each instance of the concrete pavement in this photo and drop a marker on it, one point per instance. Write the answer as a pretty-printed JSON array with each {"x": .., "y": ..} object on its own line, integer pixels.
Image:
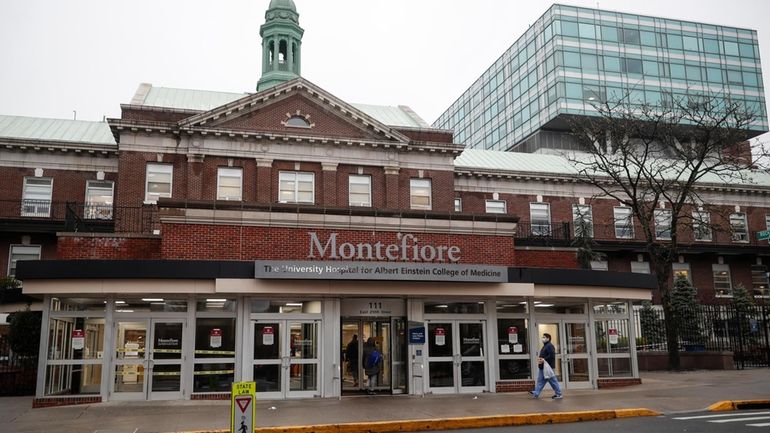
[{"x": 662, "y": 392}]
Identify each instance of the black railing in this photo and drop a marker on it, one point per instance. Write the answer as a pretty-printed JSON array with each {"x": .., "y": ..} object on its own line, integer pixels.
[
  {"x": 79, "y": 217},
  {"x": 745, "y": 332},
  {"x": 565, "y": 232},
  {"x": 17, "y": 373}
]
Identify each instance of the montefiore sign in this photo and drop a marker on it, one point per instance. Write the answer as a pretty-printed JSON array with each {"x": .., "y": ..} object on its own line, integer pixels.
[{"x": 407, "y": 249}]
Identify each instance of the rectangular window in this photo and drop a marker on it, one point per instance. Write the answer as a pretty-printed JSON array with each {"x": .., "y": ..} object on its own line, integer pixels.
[
  {"x": 583, "y": 220},
  {"x": 723, "y": 284},
  {"x": 21, "y": 252},
  {"x": 681, "y": 270},
  {"x": 458, "y": 204},
  {"x": 662, "y": 224},
  {"x": 738, "y": 227},
  {"x": 158, "y": 181},
  {"x": 767, "y": 221},
  {"x": 540, "y": 218},
  {"x": 296, "y": 187},
  {"x": 495, "y": 206},
  {"x": 36, "y": 197},
  {"x": 229, "y": 183},
  {"x": 631, "y": 36},
  {"x": 360, "y": 190},
  {"x": 420, "y": 195},
  {"x": 632, "y": 66},
  {"x": 640, "y": 267},
  {"x": 701, "y": 226},
  {"x": 624, "y": 222},
  {"x": 759, "y": 281},
  {"x": 99, "y": 195}
]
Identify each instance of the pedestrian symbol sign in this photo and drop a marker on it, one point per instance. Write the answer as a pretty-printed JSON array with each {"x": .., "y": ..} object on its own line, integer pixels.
[{"x": 242, "y": 407}]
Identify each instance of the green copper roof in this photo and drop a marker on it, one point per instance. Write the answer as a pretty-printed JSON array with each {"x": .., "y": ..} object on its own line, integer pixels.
[
  {"x": 36, "y": 128},
  {"x": 282, "y": 4},
  {"x": 204, "y": 100},
  {"x": 186, "y": 99}
]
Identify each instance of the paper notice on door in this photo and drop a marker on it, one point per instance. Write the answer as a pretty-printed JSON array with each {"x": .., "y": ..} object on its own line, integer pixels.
[
  {"x": 268, "y": 336},
  {"x": 504, "y": 348},
  {"x": 518, "y": 348}
]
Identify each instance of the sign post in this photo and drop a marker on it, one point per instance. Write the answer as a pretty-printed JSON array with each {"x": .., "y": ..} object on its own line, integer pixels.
[{"x": 243, "y": 412}]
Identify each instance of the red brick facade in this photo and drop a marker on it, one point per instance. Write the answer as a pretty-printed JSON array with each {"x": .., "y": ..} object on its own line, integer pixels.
[{"x": 102, "y": 247}]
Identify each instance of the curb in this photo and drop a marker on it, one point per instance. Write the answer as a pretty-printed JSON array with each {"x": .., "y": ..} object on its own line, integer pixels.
[
  {"x": 726, "y": 405},
  {"x": 455, "y": 423}
]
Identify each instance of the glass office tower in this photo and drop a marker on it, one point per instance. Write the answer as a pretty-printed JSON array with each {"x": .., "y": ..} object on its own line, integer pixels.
[{"x": 573, "y": 57}]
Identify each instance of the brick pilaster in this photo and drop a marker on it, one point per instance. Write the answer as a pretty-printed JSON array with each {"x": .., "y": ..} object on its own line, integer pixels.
[
  {"x": 329, "y": 184},
  {"x": 265, "y": 181},
  {"x": 391, "y": 187}
]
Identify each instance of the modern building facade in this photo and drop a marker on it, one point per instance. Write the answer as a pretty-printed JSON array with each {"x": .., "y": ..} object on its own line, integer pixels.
[
  {"x": 206, "y": 237},
  {"x": 573, "y": 58}
]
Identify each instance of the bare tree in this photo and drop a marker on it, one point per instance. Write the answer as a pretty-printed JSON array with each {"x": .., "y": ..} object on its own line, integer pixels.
[{"x": 653, "y": 159}]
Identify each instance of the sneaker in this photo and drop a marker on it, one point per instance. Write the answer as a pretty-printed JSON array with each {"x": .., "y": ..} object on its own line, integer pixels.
[
  {"x": 557, "y": 397},
  {"x": 533, "y": 395}
]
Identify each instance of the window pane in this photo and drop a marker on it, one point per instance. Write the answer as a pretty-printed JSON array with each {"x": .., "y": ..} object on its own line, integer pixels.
[
  {"x": 624, "y": 228},
  {"x": 495, "y": 206},
  {"x": 359, "y": 190},
  {"x": 420, "y": 194},
  {"x": 215, "y": 337},
  {"x": 722, "y": 282}
]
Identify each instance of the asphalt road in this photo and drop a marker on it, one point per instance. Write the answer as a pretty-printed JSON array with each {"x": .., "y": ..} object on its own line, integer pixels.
[{"x": 748, "y": 421}]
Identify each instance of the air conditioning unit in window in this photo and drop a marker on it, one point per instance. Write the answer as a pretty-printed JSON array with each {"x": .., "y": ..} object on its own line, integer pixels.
[{"x": 740, "y": 237}]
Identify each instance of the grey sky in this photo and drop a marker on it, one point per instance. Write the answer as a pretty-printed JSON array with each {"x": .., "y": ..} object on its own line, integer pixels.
[{"x": 90, "y": 55}]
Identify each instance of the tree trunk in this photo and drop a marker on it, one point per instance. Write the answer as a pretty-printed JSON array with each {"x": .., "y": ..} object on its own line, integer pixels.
[{"x": 672, "y": 336}]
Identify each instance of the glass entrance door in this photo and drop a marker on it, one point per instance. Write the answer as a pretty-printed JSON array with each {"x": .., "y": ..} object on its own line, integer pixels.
[
  {"x": 570, "y": 340},
  {"x": 389, "y": 337},
  {"x": 286, "y": 358},
  {"x": 148, "y": 359},
  {"x": 456, "y": 359}
]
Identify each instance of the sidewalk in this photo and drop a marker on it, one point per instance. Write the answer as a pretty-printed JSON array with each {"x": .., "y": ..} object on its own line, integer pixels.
[{"x": 662, "y": 392}]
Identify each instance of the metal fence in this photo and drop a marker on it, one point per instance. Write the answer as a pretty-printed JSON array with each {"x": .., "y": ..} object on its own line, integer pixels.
[
  {"x": 745, "y": 332},
  {"x": 18, "y": 374}
]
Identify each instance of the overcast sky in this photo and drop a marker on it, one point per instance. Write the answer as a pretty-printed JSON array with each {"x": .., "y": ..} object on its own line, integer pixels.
[{"x": 57, "y": 56}]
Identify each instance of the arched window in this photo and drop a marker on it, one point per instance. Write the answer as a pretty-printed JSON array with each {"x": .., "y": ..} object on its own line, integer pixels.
[{"x": 298, "y": 122}]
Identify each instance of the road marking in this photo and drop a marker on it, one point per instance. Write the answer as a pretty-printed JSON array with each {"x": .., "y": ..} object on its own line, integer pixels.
[
  {"x": 759, "y": 425},
  {"x": 756, "y": 418},
  {"x": 722, "y": 415}
]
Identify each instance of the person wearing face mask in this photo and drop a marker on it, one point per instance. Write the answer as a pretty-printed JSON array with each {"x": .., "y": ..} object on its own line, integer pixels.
[{"x": 547, "y": 354}]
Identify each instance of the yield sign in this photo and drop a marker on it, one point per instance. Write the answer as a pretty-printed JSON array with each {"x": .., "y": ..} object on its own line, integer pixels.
[{"x": 243, "y": 402}]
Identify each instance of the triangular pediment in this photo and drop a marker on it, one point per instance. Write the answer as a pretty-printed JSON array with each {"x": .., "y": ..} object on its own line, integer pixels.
[{"x": 316, "y": 113}]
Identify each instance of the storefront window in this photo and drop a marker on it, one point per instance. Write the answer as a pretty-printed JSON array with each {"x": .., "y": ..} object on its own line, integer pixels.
[
  {"x": 512, "y": 369},
  {"x": 213, "y": 377},
  {"x": 454, "y": 307},
  {"x": 612, "y": 336},
  {"x": 74, "y": 338},
  {"x": 77, "y": 304},
  {"x": 215, "y": 305},
  {"x": 79, "y": 379},
  {"x": 215, "y": 337},
  {"x": 150, "y": 304},
  {"x": 619, "y": 307},
  {"x": 512, "y": 337},
  {"x": 557, "y": 306},
  {"x": 284, "y": 307},
  {"x": 512, "y": 306},
  {"x": 615, "y": 367}
]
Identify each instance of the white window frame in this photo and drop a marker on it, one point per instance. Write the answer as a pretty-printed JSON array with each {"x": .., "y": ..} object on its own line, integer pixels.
[
  {"x": 741, "y": 235},
  {"x": 99, "y": 211},
  {"x": 660, "y": 217},
  {"x": 679, "y": 268},
  {"x": 416, "y": 185},
  {"x": 722, "y": 268},
  {"x": 360, "y": 179},
  {"x": 540, "y": 228},
  {"x": 159, "y": 168},
  {"x": 458, "y": 204},
  {"x": 35, "y": 207},
  {"x": 499, "y": 207},
  {"x": 587, "y": 217},
  {"x": 759, "y": 272},
  {"x": 11, "y": 269},
  {"x": 618, "y": 220},
  {"x": 697, "y": 217},
  {"x": 640, "y": 267},
  {"x": 230, "y": 172},
  {"x": 296, "y": 177}
]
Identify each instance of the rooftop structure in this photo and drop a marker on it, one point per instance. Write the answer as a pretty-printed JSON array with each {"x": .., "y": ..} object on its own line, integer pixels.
[{"x": 572, "y": 58}]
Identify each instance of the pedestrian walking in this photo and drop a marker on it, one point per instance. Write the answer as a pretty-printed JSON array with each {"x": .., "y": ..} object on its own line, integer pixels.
[
  {"x": 351, "y": 356},
  {"x": 546, "y": 361},
  {"x": 372, "y": 363}
]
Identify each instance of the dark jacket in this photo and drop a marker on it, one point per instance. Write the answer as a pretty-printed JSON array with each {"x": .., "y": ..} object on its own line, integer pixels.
[
  {"x": 375, "y": 369},
  {"x": 548, "y": 353}
]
